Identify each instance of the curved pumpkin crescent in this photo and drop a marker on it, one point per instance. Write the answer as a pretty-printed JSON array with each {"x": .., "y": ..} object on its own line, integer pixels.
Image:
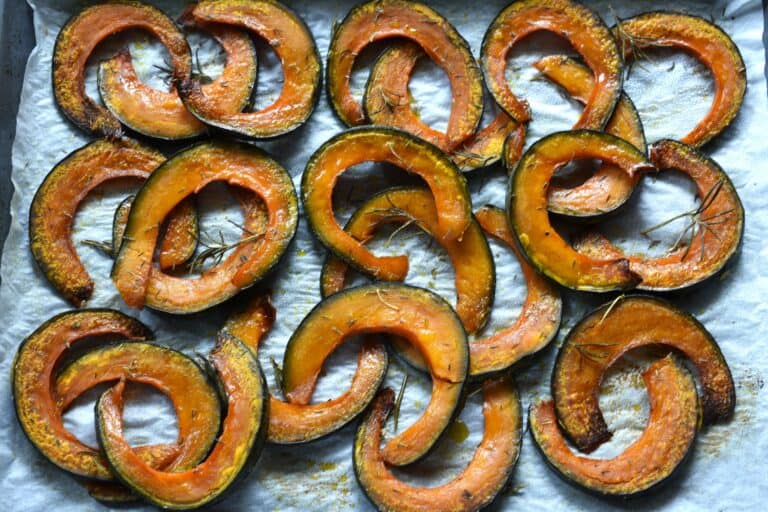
[
  {"x": 77, "y": 40},
  {"x": 581, "y": 27}
]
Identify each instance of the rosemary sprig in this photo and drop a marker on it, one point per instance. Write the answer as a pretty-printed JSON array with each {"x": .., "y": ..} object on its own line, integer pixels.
[
  {"x": 610, "y": 308},
  {"x": 399, "y": 400},
  {"x": 630, "y": 42},
  {"x": 105, "y": 247},
  {"x": 216, "y": 249},
  {"x": 197, "y": 71}
]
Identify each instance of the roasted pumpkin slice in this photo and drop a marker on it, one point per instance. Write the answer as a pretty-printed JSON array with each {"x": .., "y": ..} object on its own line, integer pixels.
[
  {"x": 358, "y": 145},
  {"x": 119, "y": 220},
  {"x": 387, "y": 102},
  {"x": 609, "y": 187},
  {"x": 581, "y": 27},
  {"x": 295, "y": 423},
  {"x": 716, "y": 230},
  {"x": 609, "y": 332},
  {"x": 471, "y": 257},
  {"x": 382, "y": 19},
  {"x": 290, "y": 39},
  {"x": 161, "y": 114},
  {"x": 705, "y": 41},
  {"x": 69, "y": 182},
  {"x": 77, "y": 40},
  {"x": 237, "y": 449},
  {"x": 476, "y": 487},
  {"x": 186, "y": 173},
  {"x": 419, "y": 316},
  {"x": 649, "y": 461},
  {"x": 529, "y": 219}
]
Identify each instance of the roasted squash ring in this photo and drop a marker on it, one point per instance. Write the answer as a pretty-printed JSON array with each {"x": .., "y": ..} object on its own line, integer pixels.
[
  {"x": 649, "y": 461},
  {"x": 581, "y": 27},
  {"x": 609, "y": 187},
  {"x": 418, "y": 315},
  {"x": 186, "y": 173},
  {"x": 609, "y": 332},
  {"x": 709, "y": 44},
  {"x": 83, "y": 32},
  {"x": 714, "y": 242},
  {"x": 471, "y": 257},
  {"x": 291, "y": 40},
  {"x": 382, "y": 19},
  {"x": 233, "y": 455},
  {"x": 479, "y": 483},
  {"x": 358, "y": 145},
  {"x": 529, "y": 219},
  {"x": 53, "y": 210},
  {"x": 161, "y": 114},
  {"x": 295, "y": 423}
]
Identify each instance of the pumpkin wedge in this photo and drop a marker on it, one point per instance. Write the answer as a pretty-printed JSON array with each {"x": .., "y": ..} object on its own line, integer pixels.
[
  {"x": 608, "y": 188},
  {"x": 186, "y": 173},
  {"x": 80, "y": 36},
  {"x": 382, "y": 19},
  {"x": 529, "y": 218},
  {"x": 716, "y": 226},
  {"x": 705, "y": 41},
  {"x": 290, "y": 39},
  {"x": 479, "y": 483},
  {"x": 581, "y": 27},
  {"x": 609, "y": 332},
  {"x": 649, "y": 461},
  {"x": 471, "y": 257},
  {"x": 236, "y": 450},
  {"x": 419, "y": 316},
  {"x": 358, "y": 145}
]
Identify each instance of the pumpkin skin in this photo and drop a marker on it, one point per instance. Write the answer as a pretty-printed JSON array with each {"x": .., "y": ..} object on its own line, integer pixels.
[
  {"x": 382, "y": 19},
  {"x": 581, "y": 27},
  {"x": 705, "y": 41},
  {"x": 479, "y": 483},
  {"x": 419, "y": 316},
  {"x": 648, "y": 462},
  {"x": 603, "y": 336},
  {"x": 77, "y": 40}
]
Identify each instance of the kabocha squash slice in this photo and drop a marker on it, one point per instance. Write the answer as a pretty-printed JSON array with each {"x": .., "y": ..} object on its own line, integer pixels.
[
  {"x": 479, "y": 483},
  {"x": 189, "y": 171},
  {"x": 609, "y": 332},
  {"x": 609, "y": 187},
  {"x": 419, "y": 316},
  {"x": 705, "y": 41},
  {"x": 716, "y": 226},
  {"x": 80, "y": 36},
  {"x": 471, "y": 257},
  {"x": 161, "y": 114},
  {"x": 358, "y": 145},
  {"x": 296, "y": 423},
  {"x": 383, "y": 19},
  {"x": 529, "y": 218},
  {"x": 55, "y": 203},
  {"x": 291, "y": 40},
  {"x": 119, "y": 220},
  {"x": 581, "y": 27},
  {"x": 651, "y": 460},
  {"x": 238, "y": 446}
]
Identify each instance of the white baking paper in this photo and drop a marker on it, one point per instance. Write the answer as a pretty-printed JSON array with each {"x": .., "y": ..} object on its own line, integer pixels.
[{"x": 672, "y": 91}]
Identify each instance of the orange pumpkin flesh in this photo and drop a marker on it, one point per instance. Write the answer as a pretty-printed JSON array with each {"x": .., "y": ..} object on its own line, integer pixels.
[
  {"x": 705, "y": 41},
  {"x": 600, "y": 339},
  {"x": 382, "y": 19},
  {"x": 478, "y": 484},
  {"x": 529, "y": 218},
  {"x": 609, "y": 187},
  {"x": 711, "y": 247},
  {"x": 471, "y": 257},
  {"x": 417, "y": 315},
  {"x": 80, "y": 36},
  {"x": 576, "y": 23},
  {"x": 398, "y": 148},
  {"x": 291, "y": 40},
  {"x": 295, "y": 423}
]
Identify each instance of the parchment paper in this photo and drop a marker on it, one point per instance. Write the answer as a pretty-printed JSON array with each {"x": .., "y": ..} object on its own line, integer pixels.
[{"x": 672, "y": 91}]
